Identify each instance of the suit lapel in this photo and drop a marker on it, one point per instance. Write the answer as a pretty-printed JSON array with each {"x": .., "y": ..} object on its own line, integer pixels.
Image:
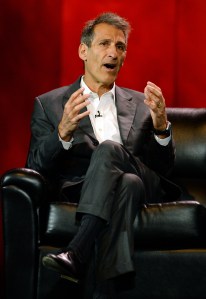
[
  {"x": 71, "y": 89},
  {"x": 86, "y": 126},
  {"x": 125, "y": 112}
]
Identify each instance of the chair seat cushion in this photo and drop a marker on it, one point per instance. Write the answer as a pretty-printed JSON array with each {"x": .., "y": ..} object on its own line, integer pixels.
[{"x": 157, "y": 226}]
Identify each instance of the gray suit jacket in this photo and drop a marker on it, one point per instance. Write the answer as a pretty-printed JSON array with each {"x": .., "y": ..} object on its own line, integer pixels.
[{"x": 47, "y": 155}]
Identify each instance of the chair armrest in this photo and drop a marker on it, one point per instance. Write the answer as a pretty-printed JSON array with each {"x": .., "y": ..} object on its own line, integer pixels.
[
  {"x": 29, "y": 181},
  {"x": 22, "y": 190}
]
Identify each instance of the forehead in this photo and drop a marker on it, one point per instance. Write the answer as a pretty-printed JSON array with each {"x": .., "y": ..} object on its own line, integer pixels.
[{"x": 106, "y": 31}]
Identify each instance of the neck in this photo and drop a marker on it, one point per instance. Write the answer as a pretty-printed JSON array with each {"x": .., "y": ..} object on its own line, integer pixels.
[{"x": 98, "y": 87}]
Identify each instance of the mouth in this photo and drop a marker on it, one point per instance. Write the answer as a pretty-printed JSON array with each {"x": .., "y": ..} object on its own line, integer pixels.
[{"x": 110, "y": 66}]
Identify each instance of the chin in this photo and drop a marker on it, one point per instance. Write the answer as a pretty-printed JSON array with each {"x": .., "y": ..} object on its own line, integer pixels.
[
  {"x": 109, "y": 83},
  {"x": 110, "y": 78}
]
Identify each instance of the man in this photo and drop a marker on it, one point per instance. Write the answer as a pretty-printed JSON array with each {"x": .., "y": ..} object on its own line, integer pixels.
[{"x": 114, "y": 144}]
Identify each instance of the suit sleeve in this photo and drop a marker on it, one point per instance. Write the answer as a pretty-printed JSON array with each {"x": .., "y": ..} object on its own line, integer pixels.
[
  {"x": 158, "y": 157},
  {"x": 45, "y": 147}
]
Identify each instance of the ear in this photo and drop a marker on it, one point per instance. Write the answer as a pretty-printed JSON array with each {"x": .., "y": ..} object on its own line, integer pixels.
[
  {"x": 123, "y": 59},
  {"x": 83, "y": 51}
]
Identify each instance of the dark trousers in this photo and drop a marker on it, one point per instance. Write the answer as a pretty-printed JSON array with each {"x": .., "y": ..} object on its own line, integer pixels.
[{"x": 114, "y": 190}]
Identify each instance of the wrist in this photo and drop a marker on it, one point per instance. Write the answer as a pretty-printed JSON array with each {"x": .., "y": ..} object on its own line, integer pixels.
[
  {"x": 163, "y": 132},
  {"x": 65, "y": 136}
]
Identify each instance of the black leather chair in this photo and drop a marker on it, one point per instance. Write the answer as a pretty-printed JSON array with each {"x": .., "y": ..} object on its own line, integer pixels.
[{"x": 170, "y": 238}]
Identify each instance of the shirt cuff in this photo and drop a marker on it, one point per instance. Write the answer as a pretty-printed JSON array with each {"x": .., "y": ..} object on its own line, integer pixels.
[
  {"x": 66, "y": 144},
  {"x": 163, "y": 141}
]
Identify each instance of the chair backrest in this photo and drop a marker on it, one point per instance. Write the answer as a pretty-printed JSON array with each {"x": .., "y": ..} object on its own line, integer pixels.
[{"x": 189, "y": 131}]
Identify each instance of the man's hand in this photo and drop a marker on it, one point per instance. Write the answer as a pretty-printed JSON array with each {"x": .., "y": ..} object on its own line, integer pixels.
[
  {"x": 155, "y": 101},
  {"x": 71, "y": 115}
]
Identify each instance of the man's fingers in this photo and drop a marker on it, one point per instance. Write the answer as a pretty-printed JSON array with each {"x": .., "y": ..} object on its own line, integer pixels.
[
  {"x": 76, "y": 94},
  {"x": 79, "y": 116},
  {"x": 73, "y": 113},
  {"x": 152, "y": 85},
  {"x": 154, "y": 97},
  {"x": 153, "y": 90},
  {"x": 80, "y": 99},
  {"x": 77, "y": 97}
]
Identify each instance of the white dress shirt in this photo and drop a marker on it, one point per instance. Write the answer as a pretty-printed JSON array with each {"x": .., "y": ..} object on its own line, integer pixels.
[{"x": 103, "y": 114}]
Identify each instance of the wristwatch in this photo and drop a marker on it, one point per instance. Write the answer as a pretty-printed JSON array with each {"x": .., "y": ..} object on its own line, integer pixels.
[{"x": 165, "y": 132}]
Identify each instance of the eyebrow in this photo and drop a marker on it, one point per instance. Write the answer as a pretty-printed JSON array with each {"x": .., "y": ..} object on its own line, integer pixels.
[{"x": 109, "y": 40}]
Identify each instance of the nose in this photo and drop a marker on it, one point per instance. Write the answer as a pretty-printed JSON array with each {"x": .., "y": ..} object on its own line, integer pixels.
[{"x": 112, "y": 51}]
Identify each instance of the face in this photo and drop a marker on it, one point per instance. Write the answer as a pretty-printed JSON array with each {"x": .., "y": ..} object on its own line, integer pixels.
[{"x": 104, "y": 58}]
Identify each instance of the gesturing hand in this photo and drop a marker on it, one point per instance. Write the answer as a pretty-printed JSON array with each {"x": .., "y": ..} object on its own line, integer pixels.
[
  {"x": 71, "y": 115},
  {"x": 155, "y": 101}
]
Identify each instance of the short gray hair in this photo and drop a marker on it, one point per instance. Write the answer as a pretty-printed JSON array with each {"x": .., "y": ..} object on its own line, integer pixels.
[{"x": 108, "y": 18}]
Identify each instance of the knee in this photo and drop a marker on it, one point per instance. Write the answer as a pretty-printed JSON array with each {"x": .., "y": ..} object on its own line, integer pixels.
[
  {"x": 108, "y": 148},
  {"x": 130, "y": 191},
  {"x": 108, "y": 145},
  {"x": 133, "y": 183}
]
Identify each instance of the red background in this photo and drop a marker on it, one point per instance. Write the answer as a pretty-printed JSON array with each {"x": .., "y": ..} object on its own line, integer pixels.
[{"x": 38, "y": 52}]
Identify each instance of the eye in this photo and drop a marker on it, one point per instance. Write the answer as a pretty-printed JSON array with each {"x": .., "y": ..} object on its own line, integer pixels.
[
  {"x": 121, "y": 47},
  {"x": 104, "y": 43}
]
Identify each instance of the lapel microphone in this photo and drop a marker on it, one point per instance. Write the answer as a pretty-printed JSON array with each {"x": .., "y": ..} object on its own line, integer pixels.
[{"x": 98, "y": 114}]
